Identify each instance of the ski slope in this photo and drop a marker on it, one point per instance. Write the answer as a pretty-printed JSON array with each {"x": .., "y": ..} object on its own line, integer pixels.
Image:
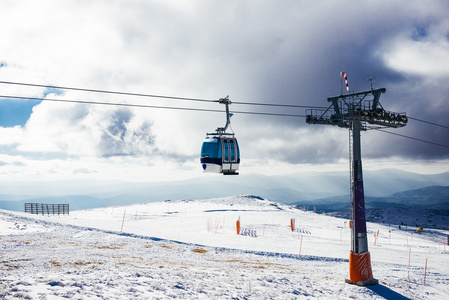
[{"x": 190, "y": 250}]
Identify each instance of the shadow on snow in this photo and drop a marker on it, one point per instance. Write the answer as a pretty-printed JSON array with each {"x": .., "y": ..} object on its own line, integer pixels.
[{"x": 386, "y": 292}]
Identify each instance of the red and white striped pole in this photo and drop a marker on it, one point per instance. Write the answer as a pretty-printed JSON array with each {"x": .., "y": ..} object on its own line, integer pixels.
[{"x": 343, "y": 74}]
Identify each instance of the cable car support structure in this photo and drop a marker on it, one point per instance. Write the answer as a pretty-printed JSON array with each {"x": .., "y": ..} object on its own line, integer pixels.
[{"x": 357, "y": 112}]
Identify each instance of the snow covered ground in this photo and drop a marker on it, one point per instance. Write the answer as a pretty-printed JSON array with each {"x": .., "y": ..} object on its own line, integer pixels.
[{"x": 190, "y": 250}]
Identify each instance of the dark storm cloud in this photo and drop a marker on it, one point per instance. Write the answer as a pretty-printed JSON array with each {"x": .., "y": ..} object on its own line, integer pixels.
[{"x": 306, "y": 56}]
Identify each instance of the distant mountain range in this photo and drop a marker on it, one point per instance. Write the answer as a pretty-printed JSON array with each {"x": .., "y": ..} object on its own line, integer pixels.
[
  {"x": 410, "y": 218},
  {"x": 325, "y": 191},
  {"x": 432, "y": 197}
]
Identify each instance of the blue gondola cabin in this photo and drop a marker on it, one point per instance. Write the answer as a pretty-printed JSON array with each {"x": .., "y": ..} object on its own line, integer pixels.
[{"x": 220, "y": 154}]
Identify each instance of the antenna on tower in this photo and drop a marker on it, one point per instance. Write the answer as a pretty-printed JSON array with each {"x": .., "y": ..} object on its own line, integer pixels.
[{"x": 371, "y": 80}]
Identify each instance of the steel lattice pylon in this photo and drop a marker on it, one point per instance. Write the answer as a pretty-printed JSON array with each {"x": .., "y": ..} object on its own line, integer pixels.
[{"x": 357, "y": 112}]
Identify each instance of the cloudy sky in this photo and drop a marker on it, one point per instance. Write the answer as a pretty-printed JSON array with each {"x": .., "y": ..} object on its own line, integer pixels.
[{"x": 286, "y": 52}]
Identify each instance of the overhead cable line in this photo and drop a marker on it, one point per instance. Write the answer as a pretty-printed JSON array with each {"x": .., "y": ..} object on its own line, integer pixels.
[
  {"x": 279, "y": 105},
  {"x": 149, "y": 106},
  {"x": 412, "y": 138},
  {"x": 192, "y": 109},
  {"x": 151, "y": 95},
  {"x": 179, "y": 98},
  {"x": 431, "y": 123},
  {"x": 105, "y": 91}
]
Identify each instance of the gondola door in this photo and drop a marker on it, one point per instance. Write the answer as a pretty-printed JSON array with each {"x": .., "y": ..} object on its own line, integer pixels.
[{"x": 230, "y": 156}]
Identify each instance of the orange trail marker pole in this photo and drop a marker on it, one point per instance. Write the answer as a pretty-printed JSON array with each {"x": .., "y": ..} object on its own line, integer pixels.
[
  {"x": 425, "y": 272},
  {"x": 123, "y": 221}
]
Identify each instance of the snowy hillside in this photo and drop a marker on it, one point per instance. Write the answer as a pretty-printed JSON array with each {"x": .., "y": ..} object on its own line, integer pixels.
[{"x": 190, "y": 250}]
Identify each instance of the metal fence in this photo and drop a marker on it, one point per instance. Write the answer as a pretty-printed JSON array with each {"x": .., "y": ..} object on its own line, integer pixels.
[{"x": 47, "y": 209}]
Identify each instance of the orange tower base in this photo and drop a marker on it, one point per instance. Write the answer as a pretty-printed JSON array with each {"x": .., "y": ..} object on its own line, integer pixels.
[{"x": 360, "y": 272}]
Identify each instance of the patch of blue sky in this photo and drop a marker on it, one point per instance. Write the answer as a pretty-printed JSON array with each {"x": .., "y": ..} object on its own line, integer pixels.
[
  {"x": 52, "y": 91},
  {"x": 419, "y": 33},
  {"x": 17, "y": 112}
]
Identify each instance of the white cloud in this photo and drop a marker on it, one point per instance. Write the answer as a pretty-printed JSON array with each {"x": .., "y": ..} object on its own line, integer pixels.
[
  {"x": 423, "y": 58},
  {"x": 11, "y": 136},
  {"x": 254, "y": 51},
  {"x": 421, "y": 47}
]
